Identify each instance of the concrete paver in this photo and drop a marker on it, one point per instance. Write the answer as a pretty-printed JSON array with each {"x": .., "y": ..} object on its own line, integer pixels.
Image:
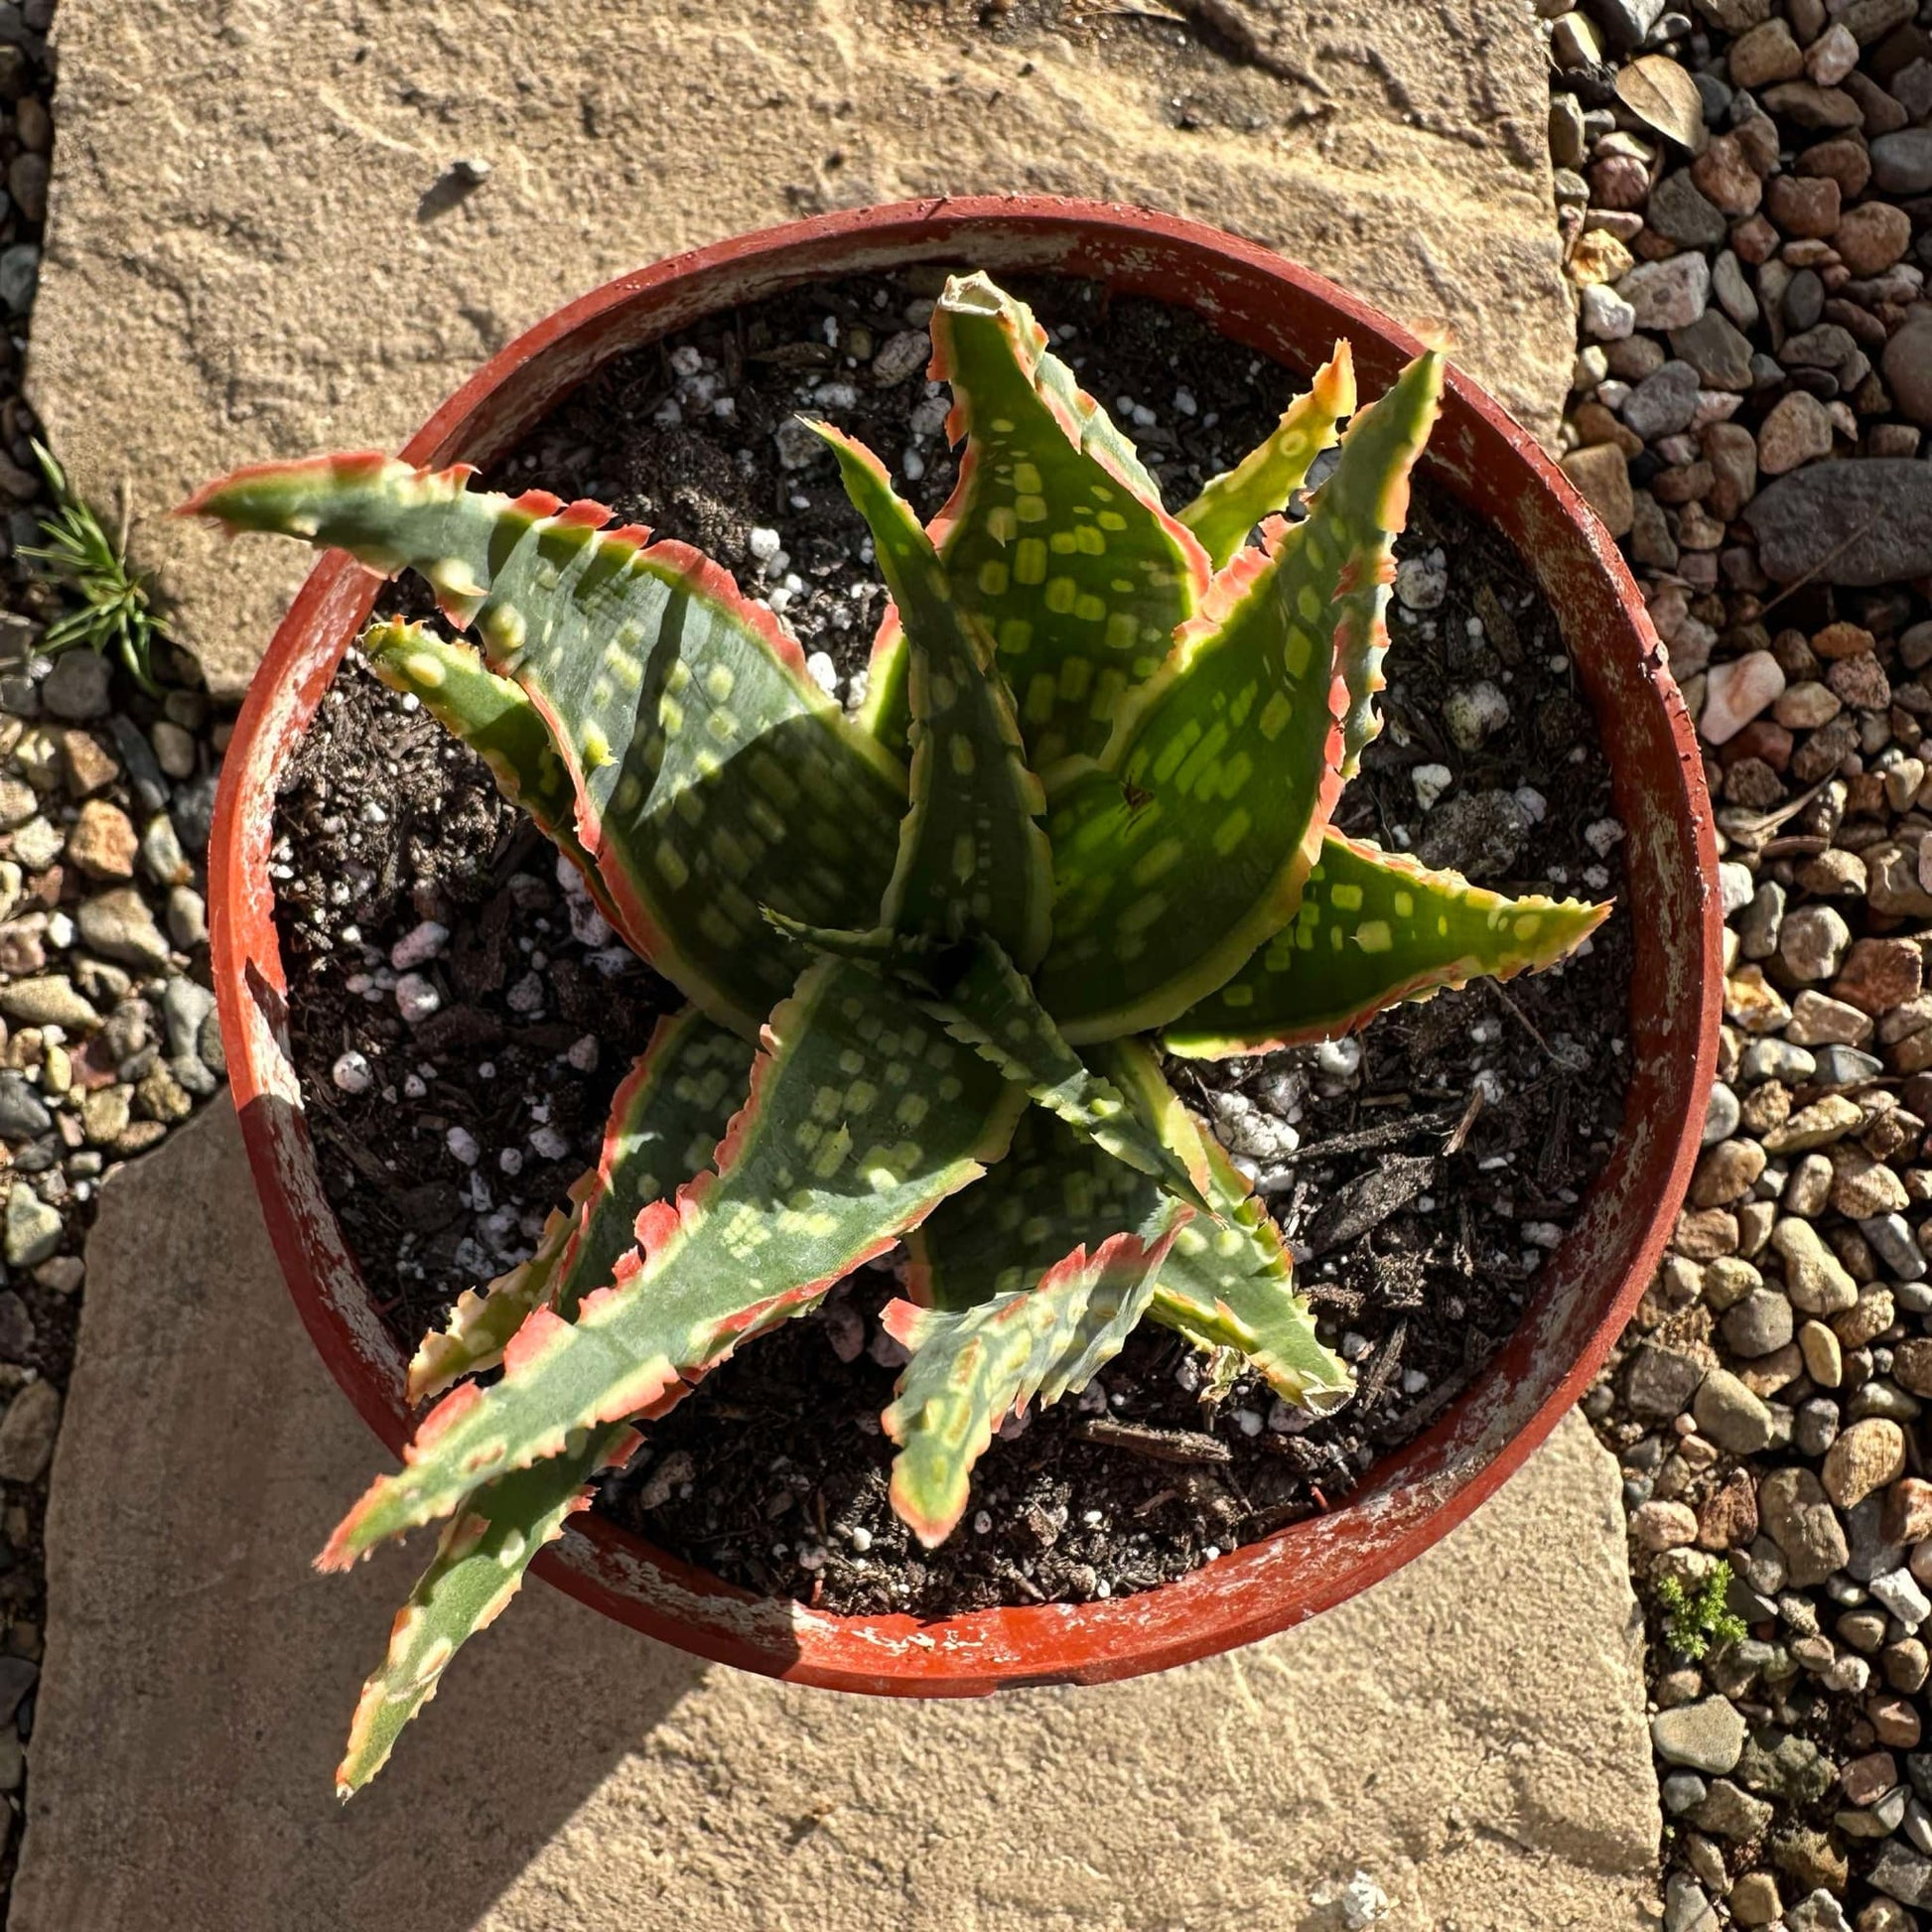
[
  {"x": 1470, "y": 1733},
  {"x": 257, "y": 250}
]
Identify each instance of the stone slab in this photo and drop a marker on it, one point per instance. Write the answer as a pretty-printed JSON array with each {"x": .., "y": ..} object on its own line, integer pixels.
[
  {"x": 1470, "y": 1733},
  {"x": 256, "y": 248}
]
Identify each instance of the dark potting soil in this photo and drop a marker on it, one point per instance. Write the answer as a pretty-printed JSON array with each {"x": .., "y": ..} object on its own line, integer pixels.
[{"x": 1423, "y": 1171}]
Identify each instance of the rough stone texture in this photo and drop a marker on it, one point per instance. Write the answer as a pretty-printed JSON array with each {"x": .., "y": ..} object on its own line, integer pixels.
[
  {"x": 230, "y": 185},
  {"x": 574, "y": 1775}
]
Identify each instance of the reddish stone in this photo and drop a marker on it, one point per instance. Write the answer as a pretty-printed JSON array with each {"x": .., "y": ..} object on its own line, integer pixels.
[
  {"x": 1872, "y": 238},
  {"x": 1762, "y": 739},
  {"x": 1621, "y": 180},
  {"x": 1804, "y": 206},
  {"x": 1868, "y": 1779},
  {"x": 1844, "y": 161},
  {"x": 1754, "y": 241},
  {"x": 1907, "y": 1516},
  {"x": 1895, "y": 1723},
  {"x": 1879, "y": 974},
  {"x": 1843, "y": 640},
  {"x": 1728, "y": 1518},
  {"x": 1725, "y": 175}
]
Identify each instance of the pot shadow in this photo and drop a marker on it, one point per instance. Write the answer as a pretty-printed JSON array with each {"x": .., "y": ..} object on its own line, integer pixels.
[{"x": 200, "y": 1675}]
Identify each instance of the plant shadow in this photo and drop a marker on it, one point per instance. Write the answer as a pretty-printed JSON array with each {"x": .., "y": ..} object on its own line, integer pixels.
[{"x": 200, "y": 1675}]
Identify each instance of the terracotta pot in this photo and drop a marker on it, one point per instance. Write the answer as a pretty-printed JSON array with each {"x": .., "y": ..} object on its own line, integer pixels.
[{"x": 1585, "y": 1293}]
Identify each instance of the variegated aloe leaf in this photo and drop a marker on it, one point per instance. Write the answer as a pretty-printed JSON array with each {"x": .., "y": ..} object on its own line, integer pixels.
[
  {"x": 494, "y": 717},
  {"x": 985, "y": 1001},
  {"x": 1187, "y": 844},
  {"x": 862, "y": 1117},
  {"x": 665, "y": 1121},
  {"x": 1259, "y": 485},
  {"x": 1374, "y": 929},
  {"x": 1055, "y": 534},
  {"x": 712, "y": 774},
  {"x": 971, "y": 1367},
  {"x": 972, "y": 857},
  {"x": 1228, "y": 1282},
  {"x": 480, "y": 1562},
  {"x": 667, "y": 1118}
]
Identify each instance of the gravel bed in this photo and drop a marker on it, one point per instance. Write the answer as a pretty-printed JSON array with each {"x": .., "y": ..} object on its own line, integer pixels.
[
  {"x": 1744, "y": 195},
  {"x": 107, "y": 1035}
]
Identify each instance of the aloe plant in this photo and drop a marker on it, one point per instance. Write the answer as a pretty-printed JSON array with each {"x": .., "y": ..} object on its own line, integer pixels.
[{"x": 1083, "y": 818}]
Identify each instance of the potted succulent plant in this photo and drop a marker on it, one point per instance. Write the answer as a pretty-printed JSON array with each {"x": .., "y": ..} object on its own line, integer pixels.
[{"x": 933, "y": 951}]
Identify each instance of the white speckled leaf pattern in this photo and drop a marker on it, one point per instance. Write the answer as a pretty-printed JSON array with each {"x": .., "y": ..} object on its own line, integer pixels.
[
  {"x": 972, "y": 857},
  {"x": 1259, "y": 485},
  {"x": 1055, "y": 535},
  {"x": 479, "y": 1561},
  {"x": 1374, "y": 929},
  {"x": 1225, "y": 1282},
  {"x": 973, "y": 1366},
  {"x": 712, "y": 774},
  {"x": 862, "y": 1117},
  {"x": 990, "y": 1004},
  {"x": 493, "y": 715},
  {"x": 1228, "y": 1282},
  {"x": 1187, "y": 846},
  {"x": 1053, "y": 1192},
  {"x": 667, "y": 1119}
]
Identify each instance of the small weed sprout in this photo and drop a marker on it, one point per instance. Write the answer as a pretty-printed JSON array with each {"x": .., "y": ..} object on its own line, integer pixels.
[
  {"x": 83, "y": 561},
  {"x": 1698, "y": 1620}
]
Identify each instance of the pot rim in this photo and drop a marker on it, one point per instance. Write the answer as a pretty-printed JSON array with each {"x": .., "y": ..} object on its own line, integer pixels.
[{"x": 1413, "y": 1497}]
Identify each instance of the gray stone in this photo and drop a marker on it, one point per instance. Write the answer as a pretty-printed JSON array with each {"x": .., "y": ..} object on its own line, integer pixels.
[
  {"x": 79, "y": 686},
  {"x": 184, "y": 1003},
  {"x": 1845, "y": 1067},
  {"x": 137, "y": 759},
  {"x": 1759, "y": 1324},
  {"x": 22, "y": 1113},
  {"x": 1659, "y": 1382},
  {"x": 187, "y": 918},
  {"x": 1686, "y": 1909},
  {"x": 1893, "y": 1240},
  {"x": 1682, "y": 1791},
  {"x": 1720, "y": 1115},
  {"x": 119, "y": 925},
  {"x": 1775, "y": 1059},
  {"x": 26, "y": 1431},
  {"x": 1715, "y": 349},
  {"x": 1861, "y": 522},
  {"x": 33, "y": 1228},
  {"x": 1730, "y": 1414},
  {"x": 1901, "y": 162},
  {"x": 20, "y": 268},
  {"x": 1626, "y": 23},
  {"x": 1727, "y": 1811},
  {"x": 38, "y": 843},
  {"x": 1902, "y": 1873},
  {"x": 49, "y": 1001},
  {"x": 161, "y": 853},
  {"x": 1679, "y": 212},
  {"x": 1706, "y": 1736},
  {"x": 1479, "y": 833},
  {"x": 16, "y": 1331},
  {"x": 1733, "y": 292},
  {"x": 1799, "y": 1518},
  {"x": 1663, "y": 402},
  {"x": 1821, "y": 1912},
  {"x": 1780, "y": 1764},
  {"x": 1670, "y": 294}
]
